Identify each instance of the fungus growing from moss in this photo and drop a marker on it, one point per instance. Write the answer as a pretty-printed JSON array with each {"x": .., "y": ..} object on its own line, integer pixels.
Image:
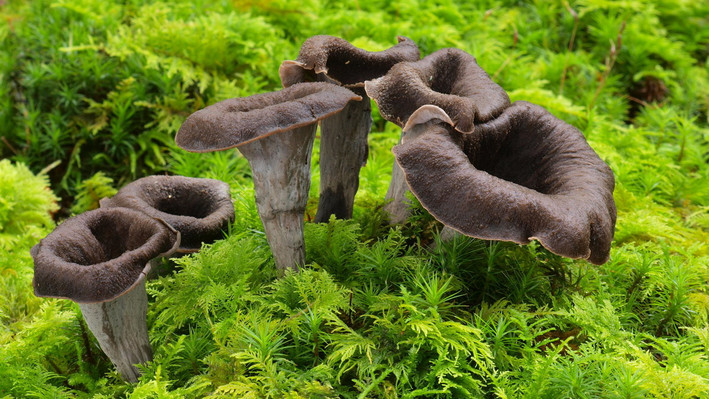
[
  {"x": 525, "y": 175},
  {"x": 275, "y": 132},
  {"x": 449, "y": 79},
  {"x": 200, "y": 209},
  {"x": 100, "y": 260},
  {"x": 343, "y": 139}
]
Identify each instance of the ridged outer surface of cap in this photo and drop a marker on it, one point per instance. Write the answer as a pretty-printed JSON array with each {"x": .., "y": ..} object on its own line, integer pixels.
[
  {"x": 342, "y": 63},
  {"x": 238, "y": 121}
]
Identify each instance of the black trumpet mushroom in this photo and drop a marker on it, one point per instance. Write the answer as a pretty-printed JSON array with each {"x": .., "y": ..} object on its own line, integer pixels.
[
  {"x": 275, "y": 132},
  {"x": 447, "y": 85},
  {"x": 200, "y": 209},
  {"x": 343, "y": 136},
  {"x": 525, "y": 175},
  {"x": 100, "y": 260}
]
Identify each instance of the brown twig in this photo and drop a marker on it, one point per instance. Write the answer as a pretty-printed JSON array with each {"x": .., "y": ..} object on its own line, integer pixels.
[
  {"x": 7, "y": 143},
  {"x": 610, "y": 62},
  {"x": 515, "y": 39},
  {"x": 570, "y": 47},
  {"x": 87, "y": 343}
]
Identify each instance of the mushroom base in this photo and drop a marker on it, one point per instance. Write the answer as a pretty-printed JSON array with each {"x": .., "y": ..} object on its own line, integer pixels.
[
  {"x": 120, "y": 328},
  {"x": 280, "y": 165},
  {"x": 398, "y": 206},
  {"x": 343, "y": 152},
  {"x": 284, "y": 231}
]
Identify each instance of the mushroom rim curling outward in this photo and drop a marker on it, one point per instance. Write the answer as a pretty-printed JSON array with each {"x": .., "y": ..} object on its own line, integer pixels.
[
  {"x": 200, "y": 209},
  {"x": 343, "y": 137},
  {"x": 339, "y": 61},
  {"x": 562, "y": 196},
  {"x": 100, "y": 259},
  {"x": 448, "y": 78},
  {"x": 275, "y": 132},
  {"x": 447, "y": 84}
]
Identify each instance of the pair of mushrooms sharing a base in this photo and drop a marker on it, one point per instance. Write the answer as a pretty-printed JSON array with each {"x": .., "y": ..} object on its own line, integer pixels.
[
  {"x": 101, "y": 258},
  {"x": 479, "y": 164}
]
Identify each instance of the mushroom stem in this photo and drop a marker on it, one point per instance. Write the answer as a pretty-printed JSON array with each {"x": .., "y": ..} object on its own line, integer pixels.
[
  {"x": 343, "y": 152},
  {"x": 280, "y": 166},
  {"x": 398, "y": 206},
  {"x": 448, "y": 233},
  {"x": 100, "y": 260},
  {"x": 121, "y": 330}
]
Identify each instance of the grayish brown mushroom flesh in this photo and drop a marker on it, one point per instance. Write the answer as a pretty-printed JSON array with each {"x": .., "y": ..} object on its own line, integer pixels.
[
  {"x": 99, "y": 259},
  {"x": 275, "y": 132},
  {"x": 524, "y": 175},
  {"x": 343, "y": 138},
  {"x": 200, "y": 209},
  {"x": 447, "y": 85}
]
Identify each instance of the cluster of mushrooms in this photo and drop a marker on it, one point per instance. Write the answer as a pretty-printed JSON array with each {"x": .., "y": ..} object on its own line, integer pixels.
[
  {"x": 100, "y": 259},
  {"x": 483, "y": 166}
]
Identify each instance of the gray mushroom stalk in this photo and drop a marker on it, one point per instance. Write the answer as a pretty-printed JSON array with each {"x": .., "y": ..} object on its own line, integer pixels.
[
  {"x": 343, "y": 141},
  {"x": 447, "y": 85},
  {"x": 200, "y": 209},
  {"x": 275, "y": 132},
  {"x": 100, "y": 260},
  {"x": 525, "y": 175}
]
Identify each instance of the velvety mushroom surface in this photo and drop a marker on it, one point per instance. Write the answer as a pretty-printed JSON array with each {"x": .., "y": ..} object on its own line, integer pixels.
[
  {"x": 343, "y": 136},
  {"x": 238, "y": 121},
  {"x": 275, "y": 132},
  {"x": 99, "y": 255},
  {"x": 200, "y": 209},
  {"x": 343, "y": 63},
  {"x": 522, "y": 176},
  {"x": 450, "y": 79}
]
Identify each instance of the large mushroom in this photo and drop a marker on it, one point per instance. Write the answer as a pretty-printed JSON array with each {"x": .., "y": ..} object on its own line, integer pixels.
[
  {"x": 343, "y": 138},
  {"x": 100, "y": 259},
  {"x": 200, "y": 209},
  {"x": 275, "y": 132},
  {"x": 446, "y": 85},
  {"x": 525, "y": 175}
]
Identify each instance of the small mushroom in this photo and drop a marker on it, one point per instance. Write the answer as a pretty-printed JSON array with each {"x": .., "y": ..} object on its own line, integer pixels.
[
  {"x": 100, "y": 259},
  {"x": 200, "y": 209},
  {"x": 275, "y": 132},
  {"x": 447, "y": 85},
  {"x": 343, "y": 142},
  {"x": 523, "y": 176}
]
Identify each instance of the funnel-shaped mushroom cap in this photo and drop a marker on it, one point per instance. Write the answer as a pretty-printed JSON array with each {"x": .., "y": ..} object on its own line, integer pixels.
[
  {"x": 343, "y": 63},
  {"x": 200, "y": 209},
  {"x": 450, "y": 79},
  {"x": 237, "y": 121},
  {"x": 99, "y": 255},
  {"x": 524, "y": 175}
]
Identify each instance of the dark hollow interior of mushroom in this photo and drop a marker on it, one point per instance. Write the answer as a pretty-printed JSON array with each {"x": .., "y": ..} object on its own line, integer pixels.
[
  {"x": 105, "y": 237},
  {"x": 348, "y": 67},
  {"x": 519, "y": 155},
  {"x": 445, "y": 76},
  {"x": 185, "y": 204},
  {"x": 177, "y": 198}
]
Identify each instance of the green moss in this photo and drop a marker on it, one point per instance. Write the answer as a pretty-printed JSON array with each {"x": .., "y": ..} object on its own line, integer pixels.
[{"x": 379, "y": 312}]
